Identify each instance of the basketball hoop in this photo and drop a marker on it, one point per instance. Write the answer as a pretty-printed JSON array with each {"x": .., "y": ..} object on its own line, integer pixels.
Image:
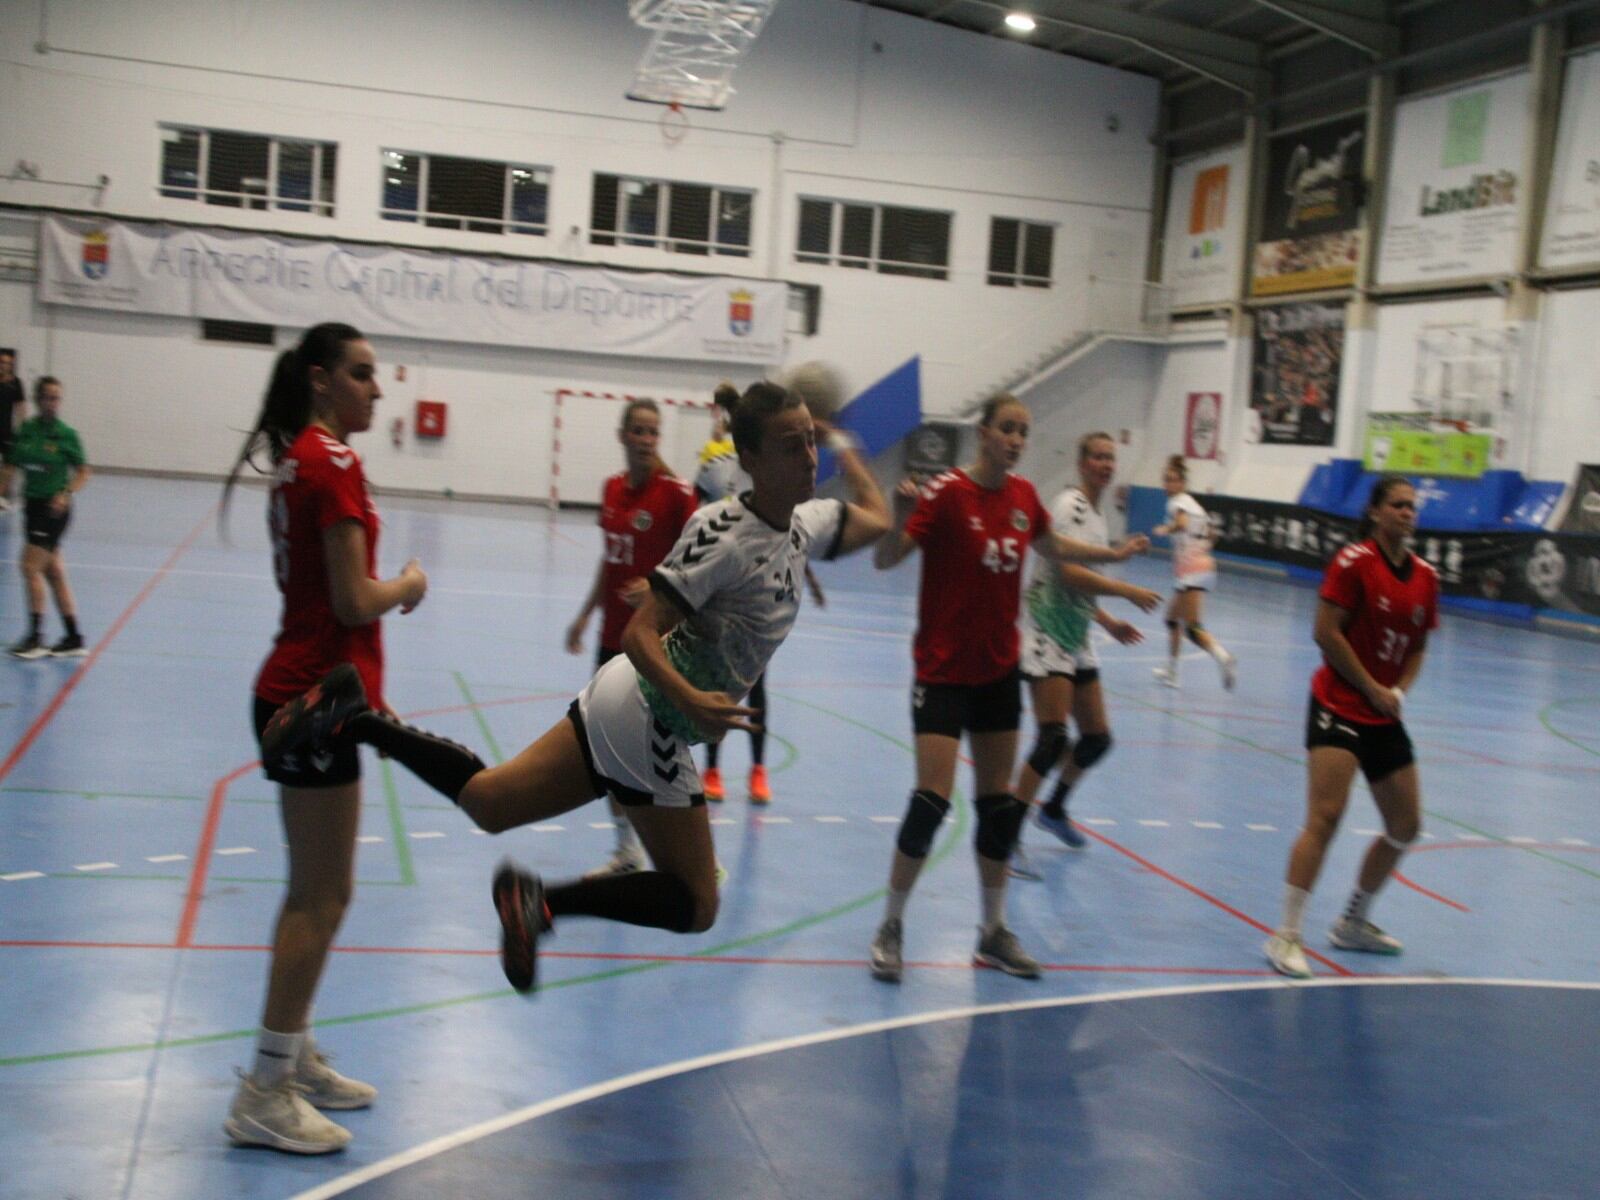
[{"x": 674, "y": 124}]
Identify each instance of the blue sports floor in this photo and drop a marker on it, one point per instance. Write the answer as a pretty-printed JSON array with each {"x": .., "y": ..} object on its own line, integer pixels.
[{"x": 141, "y": 865}]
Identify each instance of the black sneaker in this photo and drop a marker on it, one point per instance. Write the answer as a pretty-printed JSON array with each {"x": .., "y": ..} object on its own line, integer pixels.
[
  {"x": 29, "y": 647},
  {"x": 524, "y": 915},
  {"x": 70, "y": 646},
  {"x": 315, "y": 716}
]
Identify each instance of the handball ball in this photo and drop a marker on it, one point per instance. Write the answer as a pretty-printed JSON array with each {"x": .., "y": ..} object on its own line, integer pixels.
[{"x": 820, "y": 386}]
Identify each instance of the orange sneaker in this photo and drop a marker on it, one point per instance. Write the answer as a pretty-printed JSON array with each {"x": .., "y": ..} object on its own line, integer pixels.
[
  {"x": 711, "y": 783},
  {"x": 760, "y": 793}
]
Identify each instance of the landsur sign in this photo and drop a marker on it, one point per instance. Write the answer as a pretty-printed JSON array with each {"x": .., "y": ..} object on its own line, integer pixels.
[{"x": 191, "y": 272}]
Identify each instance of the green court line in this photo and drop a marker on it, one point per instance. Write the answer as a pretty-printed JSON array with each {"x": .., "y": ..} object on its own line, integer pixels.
[
  {"x": 955, "y": 836},
  {"x": 1431, "y": 812},
  {"x": 477, "y": 713},
  {"x": 397, "y": 827},
  {"x": 1544, "y": 719}
]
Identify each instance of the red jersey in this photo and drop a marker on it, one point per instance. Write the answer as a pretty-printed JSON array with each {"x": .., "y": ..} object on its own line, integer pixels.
[
  {"x": 318, "y": 484},
  {"x": 974, "y": 541},
  {"x": 1391, "y": 613},
  {"x": 640, "y": 527}
]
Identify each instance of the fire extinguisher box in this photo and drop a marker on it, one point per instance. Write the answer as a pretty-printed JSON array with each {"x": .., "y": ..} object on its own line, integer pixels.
[{"x": 430, "y": 418}]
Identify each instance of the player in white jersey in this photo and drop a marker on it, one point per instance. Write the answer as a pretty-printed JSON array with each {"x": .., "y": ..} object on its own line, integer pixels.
[
  {"x": 719, "y": 605},
  {"x": 1194, "y": 572},
  {"x": 1057, "y": 657}
]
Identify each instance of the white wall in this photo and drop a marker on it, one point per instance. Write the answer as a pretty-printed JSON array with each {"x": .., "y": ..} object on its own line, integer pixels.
[
  {"x": 1566, "y": 430},
  {"x": 870, "y": 106}
]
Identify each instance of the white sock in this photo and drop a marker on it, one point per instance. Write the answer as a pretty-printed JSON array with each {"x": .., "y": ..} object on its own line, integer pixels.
[
  {"x": 1294, "y": 910},
  {"x": 1218, "y": 652},
  {"x": 895, "y": 907},
  {"x": 277, "y": 1055},
  {"x": 994, "y": 908}
]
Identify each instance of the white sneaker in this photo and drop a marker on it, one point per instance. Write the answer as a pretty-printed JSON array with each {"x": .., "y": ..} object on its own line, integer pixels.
[
  {"x": 1287, "y": 956},
  {"x": 279, "y": 1117},
  {"x": 1353, "y": 933},
  {"x": 323, "y": 1087},
  {"x": 624, "y": 860},
  {"x": 1229, "y": 666},
  {"x": 1166, "y": 675},
  {"x": 5, "y": 505}
]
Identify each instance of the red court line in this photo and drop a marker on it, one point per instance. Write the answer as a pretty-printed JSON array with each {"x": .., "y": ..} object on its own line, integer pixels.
[
  {"x": 44, "y": 718},
  {"x": 1417, "y": 887},
  {"x": 749, "y": 960},
  {"x": 1206, "y": 896}
]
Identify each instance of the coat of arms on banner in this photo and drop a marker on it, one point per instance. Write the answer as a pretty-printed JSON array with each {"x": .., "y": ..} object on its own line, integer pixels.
[
  {"x": 96, "y": 254},
  {"x": 741, "y": 312}
]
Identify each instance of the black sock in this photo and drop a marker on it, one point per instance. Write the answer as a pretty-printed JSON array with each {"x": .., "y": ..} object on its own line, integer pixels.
[
  {"x": 443, "y": 765},
  {"x": 1056, "y": 806},
  {"x": 35, "y": 624},
  {"x": 758, "y": 741},
  {"x": 711, "y": 755},
  {"x": 71, "y": 624},
  {"x": 651, "y": 898}
]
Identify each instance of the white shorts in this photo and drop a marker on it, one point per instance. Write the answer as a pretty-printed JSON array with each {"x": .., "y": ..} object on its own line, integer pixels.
[
  {"x": 1043, "y": 656},
  {"x": 1199, "y": 581},
  {"x": 631, "y": 755}
]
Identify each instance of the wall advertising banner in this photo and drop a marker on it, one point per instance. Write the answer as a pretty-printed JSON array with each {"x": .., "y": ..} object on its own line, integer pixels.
[
  {"x": 1408, "y": 444},
  {"x": 1294, "y": 393},
  {"x": 1205, "y": 227},
  {"x": 189, "y": 272},
  {"x": 1202, "y": 424},
  {"x": 1455, "y": 184},
  {"x": 1572, "y": 219},
  {"x": 1311, "y": 226},
  {"x": 1558, "y": 571}
]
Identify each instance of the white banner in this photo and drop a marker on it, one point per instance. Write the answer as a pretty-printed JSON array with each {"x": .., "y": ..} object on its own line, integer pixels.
[
  {"x": 1572, "y": 221},
  {"x": 1205, "y": 227},
  {"x": 188, "y": 272},
  {"x": 1455, "y": 184}
]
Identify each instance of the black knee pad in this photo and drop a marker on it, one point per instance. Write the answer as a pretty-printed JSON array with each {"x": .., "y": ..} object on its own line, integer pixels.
[
  {"x": 1171, "y": 624},
  {"x": 923, "y": 815},
  {"x": 999, "y": 825},
  {"x": 1091, "y": 748},
  {"x": 1194, "y": 630},
  {"x": 1047, "y": 751}
]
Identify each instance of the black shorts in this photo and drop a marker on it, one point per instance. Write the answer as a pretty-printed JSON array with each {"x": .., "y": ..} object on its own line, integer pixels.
[
  {"x": 602, "y": 656},
  {"x": 949, "y": 708},
  {"x": 7, "y": 440},
  {"x": 1380, "y": 749},
  {"x": 44, "y": 525},
  {"x": 338, "y": 765}
]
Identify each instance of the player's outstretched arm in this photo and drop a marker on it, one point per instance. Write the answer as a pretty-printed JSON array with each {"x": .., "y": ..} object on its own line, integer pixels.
[
  {"x": 893, "y": 549},
  {"x": 867, "y": 517},
  {"x": 1060, "y": 548}
]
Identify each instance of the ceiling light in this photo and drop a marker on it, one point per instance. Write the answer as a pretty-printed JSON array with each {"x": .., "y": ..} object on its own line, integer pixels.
[{"x": 1021, "y": 22}]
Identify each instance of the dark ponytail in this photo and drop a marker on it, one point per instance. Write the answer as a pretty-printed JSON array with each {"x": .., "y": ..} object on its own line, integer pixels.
[
  {"x": 286, "y": 408},
  {"x": 1178, "y": 467},
  {"x": 1380, "y": 493}
]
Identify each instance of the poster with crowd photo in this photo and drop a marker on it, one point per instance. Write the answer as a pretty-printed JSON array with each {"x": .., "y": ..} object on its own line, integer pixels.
[
  {"x": 1583, "y": 509},
  {"x": 1294, "y": 390},
  {"x": 1455, "y": 191},
  {"x": 1311, "y": 225},
  {"x": 1572, "y": 218},
  {"x": 1541, "y": 570}
]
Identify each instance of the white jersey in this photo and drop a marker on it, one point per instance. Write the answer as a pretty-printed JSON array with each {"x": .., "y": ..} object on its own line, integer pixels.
[
  {"x": 1191, "y": 545},
  {"x": 1062, "y": 612},
  {"x": 740, "y": 580}
]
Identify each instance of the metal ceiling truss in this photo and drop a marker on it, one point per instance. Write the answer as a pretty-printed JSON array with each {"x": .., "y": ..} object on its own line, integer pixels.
[
  {"x": 1359, "y": 23},
  {"x": 694, "y": 48}
]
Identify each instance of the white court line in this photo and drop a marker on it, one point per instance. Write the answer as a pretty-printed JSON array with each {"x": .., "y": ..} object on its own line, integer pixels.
[
  {"x": 228, "y": 851},
  {"x": 430, "y": 833},
  {"x": 722, "y": 820},
  {"x": 545, "y": 829},
  {"x": 102, "y": 866},
  {"x": 1155, "y": 824},
  {"x": 473, "y": 1133},
  {"x": 15, "y": 876},
  {"x": 1573, "y": 842},
  {"x": 775, "y": 820},
  {"x": 1262, "y": 828},
  {"x": 1099, "y": 820},
  {"x": 602, "y": 824},
  {"x": 830, "y": 820},
  {"x": 369, "y": 839},
  {"x": 1206, "y": 824},
  {"x": 166, "y": 858}
]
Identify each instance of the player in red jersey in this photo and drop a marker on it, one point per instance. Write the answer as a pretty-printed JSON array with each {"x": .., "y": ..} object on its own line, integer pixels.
[
  {"x": 324, "y": 549},
  {"x": 642, "y": 511},
  {"x": 974, "y": 527},
  {"x": 1377, "y": 605}
]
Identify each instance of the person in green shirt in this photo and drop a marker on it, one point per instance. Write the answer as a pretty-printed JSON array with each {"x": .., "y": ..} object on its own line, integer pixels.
[{"x": 48, "y": 452}]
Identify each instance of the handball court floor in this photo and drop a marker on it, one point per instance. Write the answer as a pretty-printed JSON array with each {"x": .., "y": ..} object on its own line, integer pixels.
[{"x": 141, "y": 864}]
